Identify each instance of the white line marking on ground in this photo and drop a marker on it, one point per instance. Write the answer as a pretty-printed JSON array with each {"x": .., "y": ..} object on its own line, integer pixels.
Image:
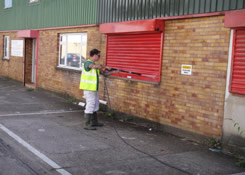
[
  {"x": 6, "y": 87},
  {"x": 35, "y": 151},
  {"x": 40, "y": 113}
]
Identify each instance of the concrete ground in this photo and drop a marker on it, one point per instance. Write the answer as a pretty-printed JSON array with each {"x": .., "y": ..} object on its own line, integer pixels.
[{"x": 41, "y": 133}]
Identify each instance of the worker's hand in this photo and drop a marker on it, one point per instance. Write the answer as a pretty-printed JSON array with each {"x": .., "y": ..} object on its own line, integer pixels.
[
  {"x": 99, "y": 66},
  {"x": 115, "y": 71},
  {"x": 95, "y": 66},
  {"x": 107, "y": 67}
]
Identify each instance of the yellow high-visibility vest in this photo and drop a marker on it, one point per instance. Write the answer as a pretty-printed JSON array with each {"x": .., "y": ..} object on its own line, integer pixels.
[{"x": 89, "y": 79}]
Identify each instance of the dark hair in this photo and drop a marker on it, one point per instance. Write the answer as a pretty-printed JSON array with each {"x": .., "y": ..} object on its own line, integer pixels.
[{"x": 94, "y": 52}]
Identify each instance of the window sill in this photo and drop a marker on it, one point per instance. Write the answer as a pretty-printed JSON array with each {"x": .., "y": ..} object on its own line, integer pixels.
[
  {"x": 34, "y": 3},
  {"x": 61, "y": 68},
  {"x": 5, "y": 59}
]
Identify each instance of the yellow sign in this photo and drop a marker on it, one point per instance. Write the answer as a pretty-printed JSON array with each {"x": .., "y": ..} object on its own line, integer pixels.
[{"x": 186, "y": 69}]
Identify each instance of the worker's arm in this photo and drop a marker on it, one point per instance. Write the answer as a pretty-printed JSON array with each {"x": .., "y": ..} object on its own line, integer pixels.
[
  {"x": 105, "y": 73},
  {"x": 105, "y": 70},
  {"x": 95, "y": 66}
]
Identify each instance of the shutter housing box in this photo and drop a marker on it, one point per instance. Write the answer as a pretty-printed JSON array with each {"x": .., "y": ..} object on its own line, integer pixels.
[{"x": 133, "y": 26}]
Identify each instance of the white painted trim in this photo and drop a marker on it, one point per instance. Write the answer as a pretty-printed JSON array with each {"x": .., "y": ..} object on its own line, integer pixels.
[
  {"x": 227, "y": 93},
  {"x": 103, "y": 102},
  {"x": 40, "y": 113},
  {"x": 71, "y": 68}
]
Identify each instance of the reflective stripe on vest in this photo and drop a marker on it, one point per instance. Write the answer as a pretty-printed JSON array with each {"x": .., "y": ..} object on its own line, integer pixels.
[
  {"x": 87, "y": 73},
  {"x": 89, "y": 79}
]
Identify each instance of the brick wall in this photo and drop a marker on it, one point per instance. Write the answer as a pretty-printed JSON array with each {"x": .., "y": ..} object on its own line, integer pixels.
[
  {"x": 194, "y": 103},
  {"x": 60, "y": 80},
  {"x": 13, "y": 67}
]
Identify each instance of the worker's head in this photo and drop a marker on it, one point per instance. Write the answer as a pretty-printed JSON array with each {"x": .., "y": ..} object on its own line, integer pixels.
[{"x": 95, "y": 55}]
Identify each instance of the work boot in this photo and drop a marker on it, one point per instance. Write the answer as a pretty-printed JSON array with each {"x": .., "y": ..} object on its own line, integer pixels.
[
  {"x": 95, "y": 120},
  {"x": 88, "y": 123}
]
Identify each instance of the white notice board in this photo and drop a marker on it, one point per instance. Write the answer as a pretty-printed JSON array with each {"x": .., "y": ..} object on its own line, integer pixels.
[
  {"x": 17, "y": 48},
  {"x": 186, "y": 69}
]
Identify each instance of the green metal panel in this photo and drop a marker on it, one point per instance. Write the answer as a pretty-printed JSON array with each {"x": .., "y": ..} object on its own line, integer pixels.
[
  {"x": 213, "y": 5},
  {"x": 181, "y": 8},
  {"x": 208, "y": 6},
  {"x": 167, "y": 6},
  {"x": 171, "y": 8},
  {"x": 47, "y": 13},
  {"x": 187, "y": 7},
  {"x": 227, "y": 4},
  {"x": 139, "y": 10},
  {"x": 158, "y": 8},
  {"x": 148, "y": 9},
  {"x": 220, "y": 5},
  {"x": 233, "y": 5},
  {"x": 58, "y": 13},
  {"x": 240, "y": 4}
]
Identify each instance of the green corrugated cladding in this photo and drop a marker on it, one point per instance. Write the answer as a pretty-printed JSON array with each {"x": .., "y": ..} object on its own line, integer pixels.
[
  {"x": 127, "y": 10},
  {"x": 58, "y": 13},
  {"x": 47, "y": 13}
]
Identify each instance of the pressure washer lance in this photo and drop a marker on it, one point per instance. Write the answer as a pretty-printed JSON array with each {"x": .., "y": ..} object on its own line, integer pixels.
[
  {"x": 135, "y": 73},
  {"x": 153, "y": 157}
]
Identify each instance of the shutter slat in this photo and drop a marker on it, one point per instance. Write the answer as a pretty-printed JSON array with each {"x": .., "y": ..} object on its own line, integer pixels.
[
  {"x": 238, "y": 73},
  {"x": 135, "y": 53}
]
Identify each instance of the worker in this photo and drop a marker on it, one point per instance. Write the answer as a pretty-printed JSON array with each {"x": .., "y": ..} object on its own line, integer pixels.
[{"x": 89, "y": 83}]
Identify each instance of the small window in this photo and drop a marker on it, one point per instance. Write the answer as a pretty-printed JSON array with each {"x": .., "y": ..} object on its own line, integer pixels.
[
  {"x": 8, "y": 3},
  {"x": 32, "y": 1},
  {"x": 73, "y": 48},
  {"x": 6, "y": 47}
]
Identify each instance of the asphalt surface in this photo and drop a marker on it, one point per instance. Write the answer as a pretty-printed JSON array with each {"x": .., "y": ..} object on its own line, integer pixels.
[{"x": 42, "y": 133}]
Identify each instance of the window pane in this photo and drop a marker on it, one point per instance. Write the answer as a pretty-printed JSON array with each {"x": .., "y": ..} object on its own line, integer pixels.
[
  {"x": 6, "y": 47},
  {"x": 73, "y": 50},
  {"x": 62, "y": 49},
  {"x": 8, "y": 3},
  {"x": 84, "y": 47}
]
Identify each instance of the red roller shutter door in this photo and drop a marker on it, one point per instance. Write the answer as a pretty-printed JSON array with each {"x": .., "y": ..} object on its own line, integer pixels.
[
  {"x": 140, "y": 53},
  {"x": 238, "y": 62}
]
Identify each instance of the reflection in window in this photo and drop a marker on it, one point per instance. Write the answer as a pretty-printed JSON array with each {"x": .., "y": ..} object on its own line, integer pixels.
[{"x": 73, "y": 49}]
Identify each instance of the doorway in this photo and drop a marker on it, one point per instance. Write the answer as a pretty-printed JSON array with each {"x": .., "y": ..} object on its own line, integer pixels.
[{"x": 30, "y": 63}]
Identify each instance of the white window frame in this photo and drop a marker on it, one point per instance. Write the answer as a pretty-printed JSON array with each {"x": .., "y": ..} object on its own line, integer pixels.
[
  {"x": 60, "y": 44},
  {"x": 8, "y": 3},
  {"x": 33, "y": 1},
  {"x": 6, "y": 47}
]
